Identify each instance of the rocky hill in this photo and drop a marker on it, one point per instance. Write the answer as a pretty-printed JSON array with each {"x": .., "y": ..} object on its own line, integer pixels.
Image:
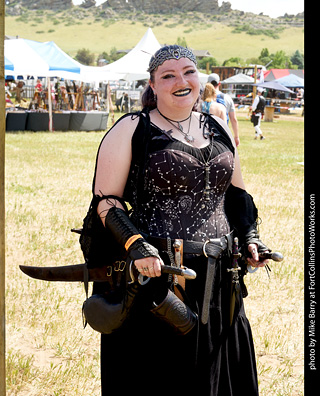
[
  {"x": 148, "y": 6},
  {"x": 42, "y": 4},
  {"x": 167, "y": 6},
  {"x": 121, "y": 9},
  {"x": 15, "y": 7}
]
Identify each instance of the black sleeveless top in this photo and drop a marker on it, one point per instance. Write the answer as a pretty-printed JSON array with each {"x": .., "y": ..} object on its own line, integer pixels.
[{"x": 168, "y": 197}]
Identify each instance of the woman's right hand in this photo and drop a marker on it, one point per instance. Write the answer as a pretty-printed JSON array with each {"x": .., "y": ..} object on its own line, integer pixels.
[{"x": 149, "y": 266}]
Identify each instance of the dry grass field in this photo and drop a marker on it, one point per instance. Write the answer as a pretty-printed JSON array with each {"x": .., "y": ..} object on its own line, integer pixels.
[
  {"x": 72, "y": 33},
  {"x": 48, "y": 187}
]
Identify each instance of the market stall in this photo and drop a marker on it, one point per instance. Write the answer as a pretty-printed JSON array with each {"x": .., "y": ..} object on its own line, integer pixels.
[
  {"x": 52, "y": 100},
  {"x": 273, "y": 103}
]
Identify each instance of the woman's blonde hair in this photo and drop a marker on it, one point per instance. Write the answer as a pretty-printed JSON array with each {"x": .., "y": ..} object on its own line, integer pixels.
[{"x": 209, "y": 91}]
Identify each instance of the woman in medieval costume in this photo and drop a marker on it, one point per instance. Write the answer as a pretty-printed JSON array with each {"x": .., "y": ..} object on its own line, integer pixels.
[{"x": 179, "y": 170}]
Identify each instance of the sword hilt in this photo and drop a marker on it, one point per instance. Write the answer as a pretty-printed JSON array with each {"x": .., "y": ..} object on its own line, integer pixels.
[
  {"x": 275, "y": 256},
  {"x": 187, "y": 273}
]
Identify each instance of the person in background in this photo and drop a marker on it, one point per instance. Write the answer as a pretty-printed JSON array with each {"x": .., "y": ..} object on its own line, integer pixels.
[
  {"x": 258, "y": 106},
  {"x": 38, "y": 92},
  {"x": 209, "y": 104},
  {"x": 226, "y": 100}
]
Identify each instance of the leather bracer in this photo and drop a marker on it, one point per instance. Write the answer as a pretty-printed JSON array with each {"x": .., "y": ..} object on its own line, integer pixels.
[
  {"x": 127, "y": 235},
  {"x": 242, "y": 214}
]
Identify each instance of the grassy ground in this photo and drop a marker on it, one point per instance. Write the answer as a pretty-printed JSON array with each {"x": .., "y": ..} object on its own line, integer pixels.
[{"x": 48, "y": 186}]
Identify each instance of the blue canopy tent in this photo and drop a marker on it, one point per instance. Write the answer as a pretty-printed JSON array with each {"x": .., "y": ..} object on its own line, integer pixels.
[
  {"x": 291, "y": 81},
  {"x": 33, "y": 58},
  {"x": 8, "y": 64},
  {"x": 55, "y": 57},
  {"x": 27, "y": 57}
]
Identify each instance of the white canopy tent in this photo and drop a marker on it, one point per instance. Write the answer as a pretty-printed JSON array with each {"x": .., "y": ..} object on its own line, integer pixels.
[
  {"x": 239, "y": 78},
  {"x": 134, "y": 65}
]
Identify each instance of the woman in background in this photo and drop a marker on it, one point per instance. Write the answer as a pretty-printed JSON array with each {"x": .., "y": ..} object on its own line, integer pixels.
[{"x": 209, "y": 104}]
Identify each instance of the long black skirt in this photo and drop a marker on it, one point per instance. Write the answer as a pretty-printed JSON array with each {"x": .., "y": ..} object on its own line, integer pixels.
[{"x": 146, "y": 357}]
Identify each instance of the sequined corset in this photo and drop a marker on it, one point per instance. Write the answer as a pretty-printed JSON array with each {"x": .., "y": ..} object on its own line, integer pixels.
[{"x": 173, "y": 200}]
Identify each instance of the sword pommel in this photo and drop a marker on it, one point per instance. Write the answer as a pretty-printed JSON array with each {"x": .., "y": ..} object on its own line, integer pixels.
[{"x": 275, "y": 256}]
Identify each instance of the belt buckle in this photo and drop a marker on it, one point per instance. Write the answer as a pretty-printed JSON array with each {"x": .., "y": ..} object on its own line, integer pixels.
[
  {"x": 204, "y": 248},
  {"x": 208, "y": 241}
]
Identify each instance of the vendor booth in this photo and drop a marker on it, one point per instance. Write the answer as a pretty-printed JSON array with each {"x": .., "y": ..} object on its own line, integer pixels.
[
  {"x": 238, "y": 86},
  {"x": 59, "y": 106}
]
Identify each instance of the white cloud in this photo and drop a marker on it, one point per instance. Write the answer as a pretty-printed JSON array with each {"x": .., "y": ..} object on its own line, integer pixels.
[{"x": 273, "y": 8}]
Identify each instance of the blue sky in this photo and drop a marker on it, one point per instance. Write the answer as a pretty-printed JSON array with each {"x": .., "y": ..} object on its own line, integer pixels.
[{"x": 273, "y": 8}]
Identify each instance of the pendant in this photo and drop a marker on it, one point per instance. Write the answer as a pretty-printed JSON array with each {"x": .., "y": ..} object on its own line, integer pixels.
[
  {"x": 189, "y": 138},
  {"x": 180, "y": 127},
  {"x": 206, "y": 192},
  {"x": 206, "y": 195}
]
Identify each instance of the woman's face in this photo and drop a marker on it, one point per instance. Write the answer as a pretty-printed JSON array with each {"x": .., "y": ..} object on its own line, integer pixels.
[{"x": 176, "y": 84}]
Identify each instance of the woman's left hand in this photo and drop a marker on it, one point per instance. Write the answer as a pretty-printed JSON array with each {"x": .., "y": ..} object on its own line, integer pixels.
[{"x": 254, "y": 260}]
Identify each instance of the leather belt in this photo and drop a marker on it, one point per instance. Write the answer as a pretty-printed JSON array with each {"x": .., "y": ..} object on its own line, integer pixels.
[{"x": 212, "y": 249}]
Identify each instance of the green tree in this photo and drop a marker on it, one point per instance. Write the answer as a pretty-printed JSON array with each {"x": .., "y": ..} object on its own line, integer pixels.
[
  {"x": 235, "y": 61},
  {"x": 265, "y": 57},
  {"x": 264, "y": 53},
  {"x": 298, "y": 59},
  {"x": 103, "y": 55},
  {"x": 253, "y": 61},
  {"x": 112, "y": 56},
  {"x": 84, "y": 56},
  {"x": 202, "y": 63},
  {"x": 182, "y": 41},
  {"x": 281, "y": 61}
]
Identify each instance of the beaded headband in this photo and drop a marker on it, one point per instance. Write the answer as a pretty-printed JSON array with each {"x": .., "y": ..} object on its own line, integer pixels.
[{"x": 170, "y": 52}]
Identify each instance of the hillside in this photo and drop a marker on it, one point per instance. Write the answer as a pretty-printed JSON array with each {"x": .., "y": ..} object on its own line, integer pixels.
[{"x": 100, "y": 30}]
